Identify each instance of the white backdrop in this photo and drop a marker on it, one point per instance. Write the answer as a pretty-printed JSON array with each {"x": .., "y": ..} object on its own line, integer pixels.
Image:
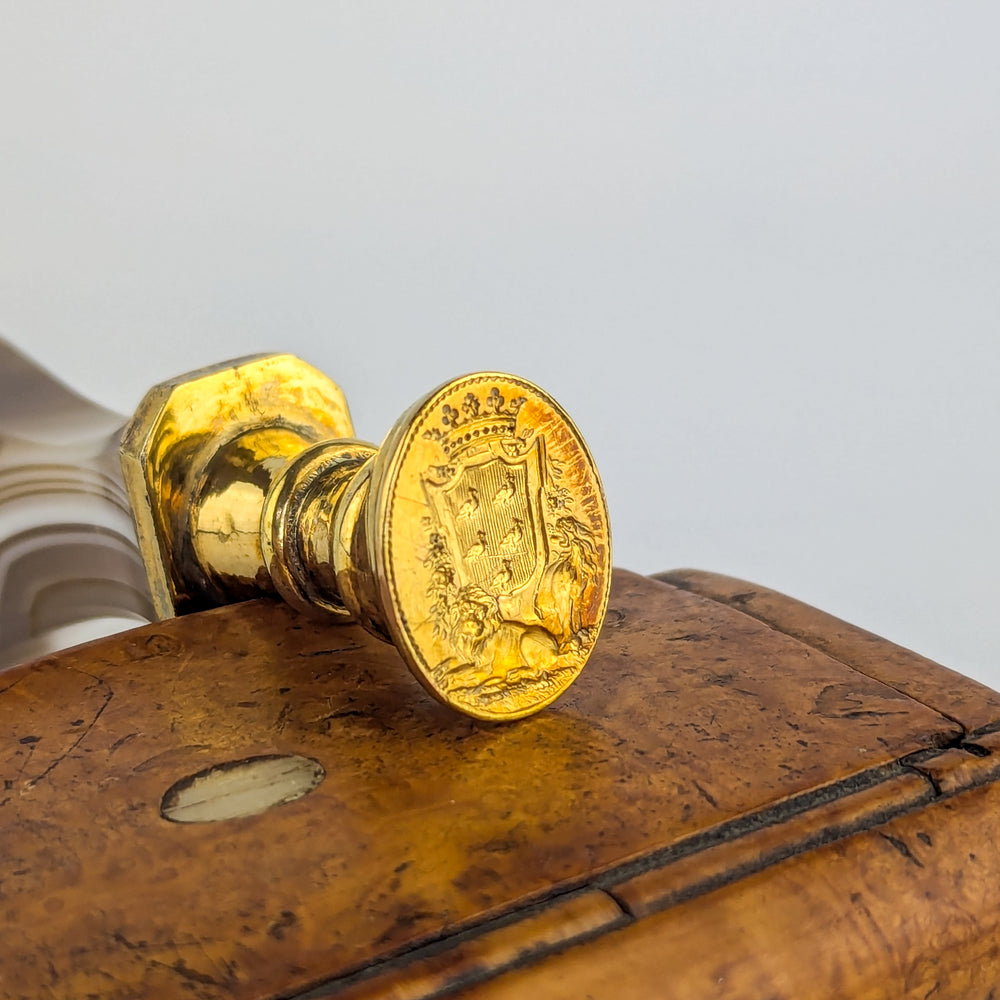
[{"x": 753, "y": 249}]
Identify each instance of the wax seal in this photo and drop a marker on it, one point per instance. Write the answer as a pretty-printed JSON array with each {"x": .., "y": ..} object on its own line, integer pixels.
[{"x": 475, "y": 539}]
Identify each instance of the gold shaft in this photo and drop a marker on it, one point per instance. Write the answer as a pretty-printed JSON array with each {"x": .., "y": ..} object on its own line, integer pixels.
[
  {"x": 225, "y": 518},
  {"x": 298, "y": 527}
]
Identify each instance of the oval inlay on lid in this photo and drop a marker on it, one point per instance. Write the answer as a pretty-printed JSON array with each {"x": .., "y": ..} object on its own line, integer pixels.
[{"x": 240, "y": 788}]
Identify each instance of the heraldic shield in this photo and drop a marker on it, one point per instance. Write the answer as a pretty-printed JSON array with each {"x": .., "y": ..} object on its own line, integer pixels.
[{"x": 491, "y": 516}]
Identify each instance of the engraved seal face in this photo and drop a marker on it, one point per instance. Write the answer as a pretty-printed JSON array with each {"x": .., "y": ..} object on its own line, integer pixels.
[{"x": 494, "y": 555}]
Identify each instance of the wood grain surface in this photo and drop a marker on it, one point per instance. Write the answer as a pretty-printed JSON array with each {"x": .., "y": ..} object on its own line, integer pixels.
[
  {"x": 972, "y": 704},
  {"x": 702, "y": 748},
  {"x": 908, "y": 910}
]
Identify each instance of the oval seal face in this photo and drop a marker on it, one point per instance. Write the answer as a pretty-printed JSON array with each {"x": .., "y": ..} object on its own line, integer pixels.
[{"x": 491, "y": 545}]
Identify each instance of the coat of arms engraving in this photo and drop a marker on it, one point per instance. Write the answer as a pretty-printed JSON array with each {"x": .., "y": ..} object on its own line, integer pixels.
[{"x": 509, "y": 564}]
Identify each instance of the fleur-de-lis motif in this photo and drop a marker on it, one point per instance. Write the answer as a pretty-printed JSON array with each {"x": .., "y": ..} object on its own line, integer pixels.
[
  {"x": 470, "y": 405},
  {"x": 494, "y": 401},
  {"x": 449, "y": 416}
]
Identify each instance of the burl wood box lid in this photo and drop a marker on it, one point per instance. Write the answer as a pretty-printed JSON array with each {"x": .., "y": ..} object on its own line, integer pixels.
[{"x": 740, "y": 797}]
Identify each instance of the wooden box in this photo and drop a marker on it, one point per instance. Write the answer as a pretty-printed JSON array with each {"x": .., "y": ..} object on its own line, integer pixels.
[{"x": 740, "y": 797}]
